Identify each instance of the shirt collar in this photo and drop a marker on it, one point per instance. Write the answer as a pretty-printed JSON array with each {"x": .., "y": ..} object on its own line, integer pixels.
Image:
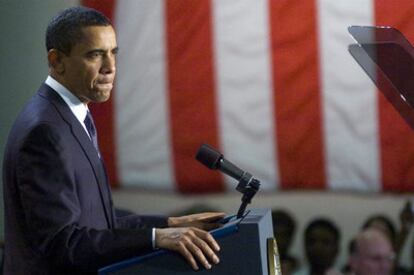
[{"x": 78, "y": 108}]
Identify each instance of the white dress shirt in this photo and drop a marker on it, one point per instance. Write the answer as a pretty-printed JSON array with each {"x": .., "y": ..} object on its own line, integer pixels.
[{"x": 78, "y": 108}]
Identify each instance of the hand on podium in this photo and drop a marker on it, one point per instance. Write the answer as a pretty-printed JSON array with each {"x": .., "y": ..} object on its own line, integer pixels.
[
  {"x": 187, "y": 236},
  {"x": 206, "y": 221}
]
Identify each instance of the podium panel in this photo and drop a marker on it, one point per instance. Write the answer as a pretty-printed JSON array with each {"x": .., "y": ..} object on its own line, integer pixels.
[{"x": 243, "y": 251}]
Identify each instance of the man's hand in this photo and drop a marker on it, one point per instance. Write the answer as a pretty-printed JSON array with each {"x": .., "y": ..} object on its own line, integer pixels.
[
  {"x": 205, "y": 221},
  {"x": 191, "y": 242}
]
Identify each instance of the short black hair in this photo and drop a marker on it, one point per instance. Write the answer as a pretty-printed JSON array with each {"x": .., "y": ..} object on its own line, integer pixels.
[
  {"x": 323, "y": 223},
  {"x": 65, "y": 29},
  {"x": 282, "y": 217}
]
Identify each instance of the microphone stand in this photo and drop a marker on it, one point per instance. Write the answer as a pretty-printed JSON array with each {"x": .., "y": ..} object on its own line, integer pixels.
[{"x": 248, "y": 186}]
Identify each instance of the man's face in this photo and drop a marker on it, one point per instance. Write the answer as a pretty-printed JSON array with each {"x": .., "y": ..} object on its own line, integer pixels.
[
  {"x": 89, "y": 70},
  {"x": 283, "y": 234},
  {"x": 374, "y": 257},
  {"x": 321, "y": 247}
]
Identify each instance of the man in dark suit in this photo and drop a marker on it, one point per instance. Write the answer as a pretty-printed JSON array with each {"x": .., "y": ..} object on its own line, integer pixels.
[{"x": 59, "y": 216}]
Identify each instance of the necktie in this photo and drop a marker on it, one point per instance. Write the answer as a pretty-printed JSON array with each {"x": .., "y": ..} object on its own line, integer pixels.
[{"x": 90, "y": 126}]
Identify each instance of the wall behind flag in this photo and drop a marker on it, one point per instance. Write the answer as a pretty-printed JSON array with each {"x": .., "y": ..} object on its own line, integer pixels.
[
  {"x": 268, "y": 82},
  {"x": 23, "y": 61}
]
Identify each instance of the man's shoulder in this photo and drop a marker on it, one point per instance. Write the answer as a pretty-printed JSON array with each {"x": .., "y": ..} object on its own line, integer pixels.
[
  {"x": 43, "y": 105},
  {"x": 37, "y": 112}
]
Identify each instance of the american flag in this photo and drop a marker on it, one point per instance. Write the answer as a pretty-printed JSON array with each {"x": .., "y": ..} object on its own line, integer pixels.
[{"x": 269, "y": 83}]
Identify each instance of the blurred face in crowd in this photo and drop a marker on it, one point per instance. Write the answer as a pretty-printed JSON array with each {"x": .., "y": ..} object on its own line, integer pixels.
[
  {"x": 288, "y": 266},
  {"x": 382, "y": 226},
  {"x": 283, "y": 236},
  {"x": 321, "y": 248},
  {"x": 374, "y": 254},
  {"x": 88, "y": 71}
]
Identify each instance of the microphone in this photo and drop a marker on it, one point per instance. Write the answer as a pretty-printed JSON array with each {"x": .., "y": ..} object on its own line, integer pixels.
[
  {"x": 215, "y": 160},
  {"x": 248, "y": 185}
]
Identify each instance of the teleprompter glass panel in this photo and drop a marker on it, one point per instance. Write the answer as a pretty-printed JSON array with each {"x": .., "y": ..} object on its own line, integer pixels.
[{"x": 388, "y": 59}]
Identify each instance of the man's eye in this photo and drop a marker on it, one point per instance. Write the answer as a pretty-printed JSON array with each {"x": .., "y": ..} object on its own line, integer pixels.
[{"x": 94, "y": 55}]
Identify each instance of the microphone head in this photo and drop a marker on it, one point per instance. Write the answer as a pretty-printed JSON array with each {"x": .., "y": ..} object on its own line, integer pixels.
[{"x": 208, "y": 156}]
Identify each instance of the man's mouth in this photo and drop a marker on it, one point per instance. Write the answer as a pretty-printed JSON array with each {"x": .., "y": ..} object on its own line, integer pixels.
[{"x": 104, "y": 85}]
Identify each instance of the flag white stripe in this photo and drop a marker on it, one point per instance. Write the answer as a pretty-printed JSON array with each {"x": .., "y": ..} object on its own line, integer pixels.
[
  {"x": 349, "y": 99},
  {"x": 141, "y": 109},
  {"x": 244, "y": 93}
]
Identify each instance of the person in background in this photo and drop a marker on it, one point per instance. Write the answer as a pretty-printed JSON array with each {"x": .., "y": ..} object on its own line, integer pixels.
[
  {"x": 382, "y": 223},
  {"x": 284, "y": 228},
  {"x": 399, "y": 237},
  {"x": 59, "y": 214},
  {"x": 373, "y": 254},
  {"x": 408, "y": 270},
  {"x": 322, "y": 239},
  {"x": 346, "y": 269}
]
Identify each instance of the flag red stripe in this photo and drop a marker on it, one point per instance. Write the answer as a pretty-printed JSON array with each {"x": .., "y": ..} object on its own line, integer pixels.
[
  {"x": 396, "y": 137},
  {"x": 297, "y": 99},
  {"x": 191, "y": 90},
  {"x": 103, "y": 113}
]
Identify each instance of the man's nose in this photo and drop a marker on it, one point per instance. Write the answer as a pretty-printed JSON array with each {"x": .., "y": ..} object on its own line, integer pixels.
[{"x": 108, "y": 64}]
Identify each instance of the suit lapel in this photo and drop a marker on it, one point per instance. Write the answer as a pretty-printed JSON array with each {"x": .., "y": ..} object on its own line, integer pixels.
[{"x": 84, "y": 141}]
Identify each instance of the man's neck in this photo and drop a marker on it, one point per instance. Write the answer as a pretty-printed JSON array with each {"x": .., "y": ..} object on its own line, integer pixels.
[{"x": 61, "y": 81}]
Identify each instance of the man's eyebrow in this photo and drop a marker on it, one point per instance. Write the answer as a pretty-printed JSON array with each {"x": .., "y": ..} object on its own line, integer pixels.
[
  {"x": 102, "y": 51},
  {"x": 95, "y": 51}
]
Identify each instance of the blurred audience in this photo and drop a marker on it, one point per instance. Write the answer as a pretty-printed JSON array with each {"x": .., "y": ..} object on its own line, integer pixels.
[
  {"x": 373, "y": 253},
  {"x": 407, "y": 270},
  {"x": 398, "y": 238},
  {"x": 382, "y": 223},
  {"x": 346, "y": 269},
  {"x": 284, "y": 228},
  {"x": 322, "y": 238},
  {"x": 406, "y": 224},
  {"x": 289, "y": 265}
]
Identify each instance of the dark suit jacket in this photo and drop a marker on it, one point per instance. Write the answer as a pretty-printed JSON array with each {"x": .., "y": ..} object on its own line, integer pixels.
[{"x": 59, "y": 216}]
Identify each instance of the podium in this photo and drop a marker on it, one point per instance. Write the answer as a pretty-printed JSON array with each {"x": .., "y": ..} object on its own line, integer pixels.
[{"x": 244, "y": 251}]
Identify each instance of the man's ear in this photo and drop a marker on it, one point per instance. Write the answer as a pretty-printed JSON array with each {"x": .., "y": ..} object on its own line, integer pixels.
[{"x": 56, "y": 63}]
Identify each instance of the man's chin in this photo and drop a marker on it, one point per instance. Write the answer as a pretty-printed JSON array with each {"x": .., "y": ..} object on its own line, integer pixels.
[{"x": 102, "y": 95}]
